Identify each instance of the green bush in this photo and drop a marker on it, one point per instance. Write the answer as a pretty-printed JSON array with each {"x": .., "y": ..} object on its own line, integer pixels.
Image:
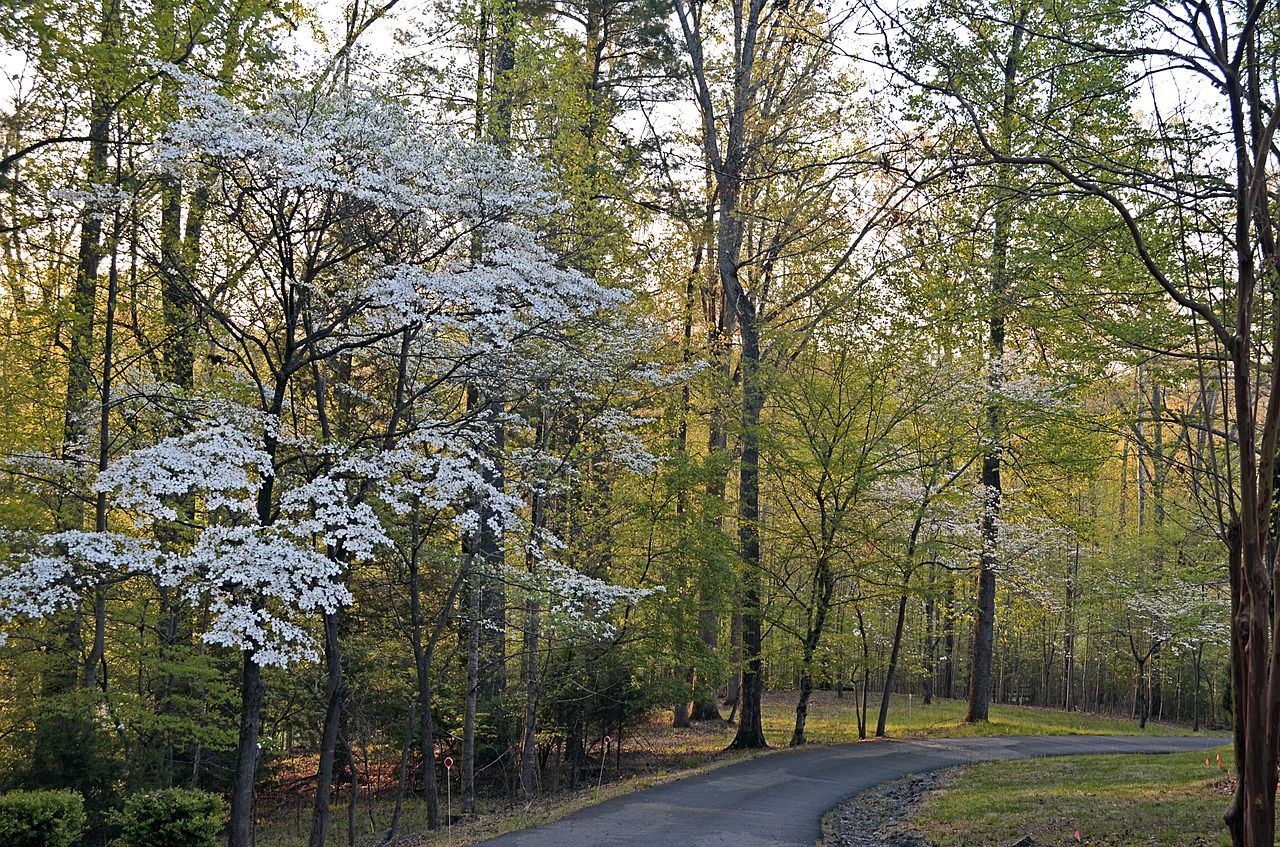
[
  {"x": 174, "y": 817},
  {"x": 41, "y": 818}
]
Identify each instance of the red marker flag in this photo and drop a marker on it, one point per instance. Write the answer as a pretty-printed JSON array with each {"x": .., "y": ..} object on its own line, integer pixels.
[{"x": 1077, "y": 835}]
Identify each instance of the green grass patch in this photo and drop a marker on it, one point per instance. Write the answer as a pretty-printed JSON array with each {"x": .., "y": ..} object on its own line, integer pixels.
[
  {"x": 834, "y": 719},
  {"x": 1111, "y": 800}
]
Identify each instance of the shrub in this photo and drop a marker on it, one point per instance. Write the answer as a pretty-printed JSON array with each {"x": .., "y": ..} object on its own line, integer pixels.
[
  {"x": 174, "y": 817},
  {"x": 41, "y": 818}
]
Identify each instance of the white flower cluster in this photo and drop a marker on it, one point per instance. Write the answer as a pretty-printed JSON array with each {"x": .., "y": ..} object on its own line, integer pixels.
[
  {"x": 458, "y": 273},
  {"x": 580, "y": 602},
  {"x": 1034, "y": 391},
  {"x": 323, "y": 507},
  {"x": 260, "y": 583},
  {"x": 476, "y": 271},
  {"x": 35, "y": 586},
  {"x": 950, "y": 524},
  {"x": 97, "y": 199},
  {"x": 255, "y": 581},
  {"x": 50, "y": 577},
  {"x": 221, "y": 462},
  {"x": 617, "y": 428}
]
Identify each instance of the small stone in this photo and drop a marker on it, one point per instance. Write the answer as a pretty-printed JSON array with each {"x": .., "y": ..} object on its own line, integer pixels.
[{"x": 873, "y": 819}]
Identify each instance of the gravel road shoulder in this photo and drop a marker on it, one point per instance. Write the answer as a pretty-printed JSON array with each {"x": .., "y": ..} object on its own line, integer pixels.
[{"x": 875, "y": 818}]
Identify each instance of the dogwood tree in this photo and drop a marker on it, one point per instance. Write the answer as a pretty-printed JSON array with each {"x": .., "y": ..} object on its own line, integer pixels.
[{"x": 365, "y": 267}]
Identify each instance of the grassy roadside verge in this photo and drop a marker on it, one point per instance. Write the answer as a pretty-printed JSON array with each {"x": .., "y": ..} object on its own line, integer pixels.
[
  {"x": 833, "y": 719},
  {"x": 1126, "y": 800}
]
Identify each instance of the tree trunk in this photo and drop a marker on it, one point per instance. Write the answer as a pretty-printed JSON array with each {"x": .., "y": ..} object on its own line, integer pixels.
[
  {"x": 179, "y": 253},
  {"x": 332, "y": 726},
  {"x": 426, "y": 726},
  {"x": 576, "y": 751},
  {"x": 354, "y": 796},
  {"x": 490, "y": 625},
  {"x": 750, "y": 733},
  {"x": 240, "y": 827},
  {"x": 97, "y": 650},
  {"x": 993, "y": 434},
  {"x": 472, "y": 630},
  {"x": 983, "y": 647},
  {"x": 529, "y": 752},
  {"x": 802, "y": 710},
  {"x": 489, "y": 552},
  {"x": 486, "y": 629},
  {"x": 824, "y": 577},
  {"x": 704, "y": 706},
  {"x": 84, "y": 294},
  {"x": 403, "y": 783},
  {"x": 1140, "y": 703},
  {"x": 1069, "y": 636},
  {"x": 709, "y": 596},
  {"x": 681, "y": 712},
  {"x": 733, "y": 688},
  {"x": 177, "y": 268},
  {"x": 1195, "y": 702},
  {"x": 687, "y": 705},
  {"x": 893, "y": 664},
  {"x": 930, "y": 638},
  {"x": 949, "y": 642},
  {"x": 729, "y": 170},
  {"x": 423, "y": 653}
]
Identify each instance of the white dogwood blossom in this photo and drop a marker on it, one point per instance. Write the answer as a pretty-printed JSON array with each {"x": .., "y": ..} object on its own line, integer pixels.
[
  {"x": 221, "y": 462},
  {"x": 580, "y": 602},
  {"x": 324, "y": 507},
  {"x": 255, "y": 581},
  {"x": 51, "y": 573},
  {"x": 259, "y": 583},
  {"x": 404, "y": 244}
]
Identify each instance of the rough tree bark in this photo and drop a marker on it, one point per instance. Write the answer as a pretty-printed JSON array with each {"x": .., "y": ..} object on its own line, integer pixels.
[
  {"x": 329, "y": 736},
  {"x": 729, "y": 162},
  {"x": 993, "y": 429}
]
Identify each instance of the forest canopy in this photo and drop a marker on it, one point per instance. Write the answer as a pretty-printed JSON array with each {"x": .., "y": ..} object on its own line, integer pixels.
[{"x": 392, "y": 381}]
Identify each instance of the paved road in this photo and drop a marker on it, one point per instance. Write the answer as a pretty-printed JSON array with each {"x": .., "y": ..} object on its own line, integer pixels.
[{"x": 779, "y": 800}]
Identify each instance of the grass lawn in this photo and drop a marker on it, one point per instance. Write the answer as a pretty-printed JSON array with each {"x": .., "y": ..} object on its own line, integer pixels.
[
  {"x": 833, "y": 719},
  {"x": 655, "y": 752},
  {"x": 1111, "y": 800}
]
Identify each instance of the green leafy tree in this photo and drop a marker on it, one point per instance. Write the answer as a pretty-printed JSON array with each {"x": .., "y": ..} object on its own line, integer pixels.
[{"x": 1022, "y": 91}]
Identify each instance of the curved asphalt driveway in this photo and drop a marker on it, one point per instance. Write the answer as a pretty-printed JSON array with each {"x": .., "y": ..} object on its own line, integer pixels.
[{"x": 780, "y": 799}]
